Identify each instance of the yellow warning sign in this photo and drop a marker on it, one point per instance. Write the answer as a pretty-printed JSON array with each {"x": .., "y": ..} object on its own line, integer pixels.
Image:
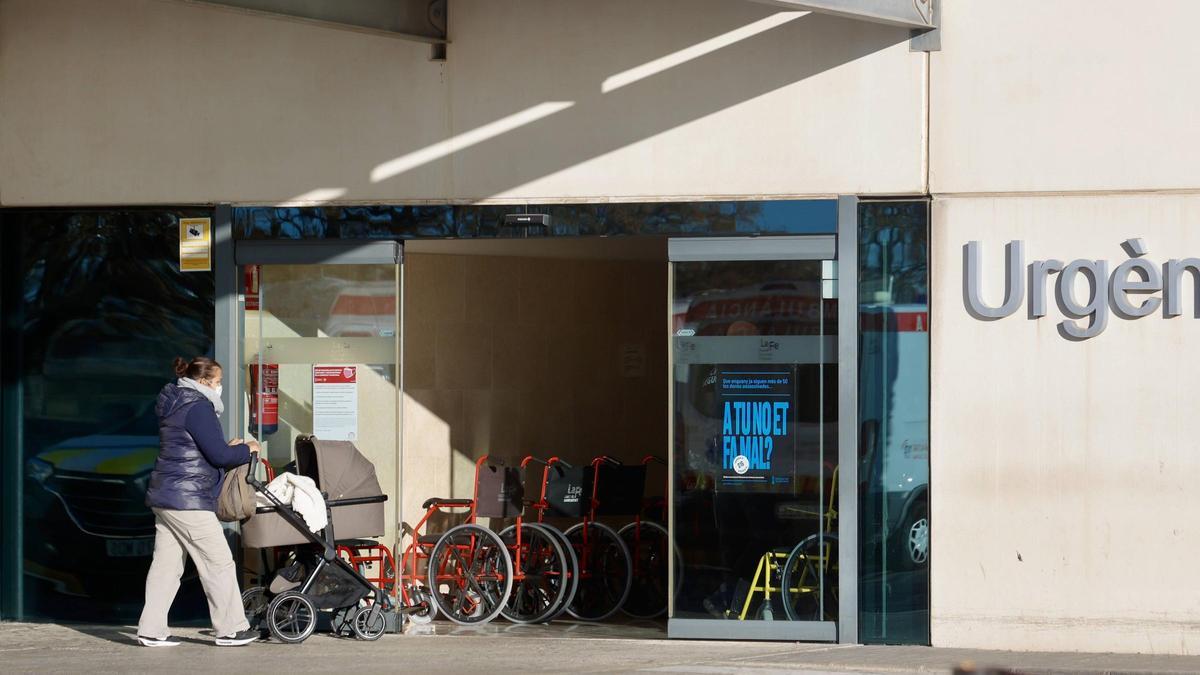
[{"x": 195, "y": 244}]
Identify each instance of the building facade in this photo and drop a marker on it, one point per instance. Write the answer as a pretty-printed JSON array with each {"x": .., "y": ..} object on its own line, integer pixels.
[{"x": 989, "y": 368}]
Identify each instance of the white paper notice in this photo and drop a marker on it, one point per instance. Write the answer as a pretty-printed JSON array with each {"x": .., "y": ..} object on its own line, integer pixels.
[{"x": 335, "y": 403}]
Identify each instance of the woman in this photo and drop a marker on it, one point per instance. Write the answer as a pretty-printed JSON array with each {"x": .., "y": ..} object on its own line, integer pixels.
[{"x": 182, "y": 492}]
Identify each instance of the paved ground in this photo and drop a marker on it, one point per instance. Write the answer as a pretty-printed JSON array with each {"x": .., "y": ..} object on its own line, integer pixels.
[{"x": 502, "y": 648}]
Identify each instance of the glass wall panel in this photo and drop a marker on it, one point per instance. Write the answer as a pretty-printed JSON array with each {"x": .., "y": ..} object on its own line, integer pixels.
[
  {"x": 816, "y": 216},
  {"x": 893, "y": 294},
  {"x": 325, "y": 339},
  {"x": 103, "y": 309}
]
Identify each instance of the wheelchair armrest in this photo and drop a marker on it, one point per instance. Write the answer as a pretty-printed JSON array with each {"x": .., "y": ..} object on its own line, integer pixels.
[{"x": 438, "y": 502}]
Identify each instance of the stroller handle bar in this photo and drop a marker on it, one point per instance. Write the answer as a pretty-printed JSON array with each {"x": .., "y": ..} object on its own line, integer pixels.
[
  {"x": 250, "y": 477},
  {"x": 350, "y": 501}
]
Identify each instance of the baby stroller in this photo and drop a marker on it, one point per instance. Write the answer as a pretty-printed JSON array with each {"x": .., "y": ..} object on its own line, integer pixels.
[{"x": 320, "y": 580}]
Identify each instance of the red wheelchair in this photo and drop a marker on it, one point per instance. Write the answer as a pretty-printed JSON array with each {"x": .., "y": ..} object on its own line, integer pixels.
[
  {"x": 468, "y": 572},
  {"x": 649, "y": 546},
  {"x": 603, "y": 488}
]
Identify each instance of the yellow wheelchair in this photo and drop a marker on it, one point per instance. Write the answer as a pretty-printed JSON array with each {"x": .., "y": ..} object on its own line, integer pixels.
[{"x": 803, "y": 578}]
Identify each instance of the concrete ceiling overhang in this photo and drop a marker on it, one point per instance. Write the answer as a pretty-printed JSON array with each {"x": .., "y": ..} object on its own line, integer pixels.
[
  {"x": 914, "y": 14},
  {"x": 415, "y": 20}
]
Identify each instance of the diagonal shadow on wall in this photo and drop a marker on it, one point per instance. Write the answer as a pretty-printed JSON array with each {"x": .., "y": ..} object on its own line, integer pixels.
[{"x": 599, "y": 123}]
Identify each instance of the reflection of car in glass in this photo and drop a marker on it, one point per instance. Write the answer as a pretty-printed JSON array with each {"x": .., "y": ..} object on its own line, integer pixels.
[
  {"x": 95, "y": 375},
  {"x": 894, "y": 367},
  {"x": 94, "y": 536}
]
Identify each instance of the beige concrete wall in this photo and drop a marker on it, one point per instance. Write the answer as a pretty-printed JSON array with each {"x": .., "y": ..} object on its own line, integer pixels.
[
  {"x": 151, "y": 101},
  {"x": 808, "y": 104},
  {"x": 1064, "y": 474},
  {"x": 1065, "y": 95},
  {"x": 510, "y": 356}
]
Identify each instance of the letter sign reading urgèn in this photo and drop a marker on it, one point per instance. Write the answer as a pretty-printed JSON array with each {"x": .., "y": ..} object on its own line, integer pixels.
[{"x": 1129, "y": 291}]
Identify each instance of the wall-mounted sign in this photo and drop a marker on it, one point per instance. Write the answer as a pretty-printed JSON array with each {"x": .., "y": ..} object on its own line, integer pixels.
[
  {"x": 335, "y": 403},
  {"x": 1129, "y": 298},
  {"x": 633, "y": 360},
  {"x": 195, "y": 244}
]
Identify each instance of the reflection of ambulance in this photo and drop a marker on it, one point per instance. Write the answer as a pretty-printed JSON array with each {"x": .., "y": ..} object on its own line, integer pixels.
[
  {"x": 784, "y": 309},
  {"x": 894, "y": 448},
  {"x": 777, "y": 308},
  {"x": 363, "y": 310}
]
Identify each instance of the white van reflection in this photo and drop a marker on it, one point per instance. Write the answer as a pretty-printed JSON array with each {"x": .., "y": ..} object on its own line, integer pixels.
[
  {"x": 894, "y": 398},
  {"x": 894, "y": 447}
]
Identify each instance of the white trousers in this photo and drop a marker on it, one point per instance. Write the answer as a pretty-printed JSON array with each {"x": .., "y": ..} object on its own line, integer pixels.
[{"x": 179, "y": 534}]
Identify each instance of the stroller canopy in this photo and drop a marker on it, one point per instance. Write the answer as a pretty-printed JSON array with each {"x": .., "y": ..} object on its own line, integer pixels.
[{"x": 337, "y": 467}]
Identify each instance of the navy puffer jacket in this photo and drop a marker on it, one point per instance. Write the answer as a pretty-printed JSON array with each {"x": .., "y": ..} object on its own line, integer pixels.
[{"x": 192, "y": 455}]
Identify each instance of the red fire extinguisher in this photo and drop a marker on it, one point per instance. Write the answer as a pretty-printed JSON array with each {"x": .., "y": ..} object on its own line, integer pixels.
[{"x": 265, "y": 400}]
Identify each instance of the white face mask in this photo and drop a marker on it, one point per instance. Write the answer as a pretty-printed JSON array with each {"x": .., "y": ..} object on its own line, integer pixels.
[{"x": 218, "y": 390}]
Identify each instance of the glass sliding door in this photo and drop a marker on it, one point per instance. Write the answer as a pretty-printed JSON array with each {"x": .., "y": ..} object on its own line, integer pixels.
[
  {"x": 754, "y": 438},
  {"x": 320, "y": 351}
]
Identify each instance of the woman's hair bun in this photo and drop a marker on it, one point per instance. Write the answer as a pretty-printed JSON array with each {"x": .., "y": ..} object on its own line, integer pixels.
[{"x": 199, "y": 368}]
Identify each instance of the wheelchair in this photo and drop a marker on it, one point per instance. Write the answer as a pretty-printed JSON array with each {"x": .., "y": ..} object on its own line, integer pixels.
[{"x": 468, "y": 572}]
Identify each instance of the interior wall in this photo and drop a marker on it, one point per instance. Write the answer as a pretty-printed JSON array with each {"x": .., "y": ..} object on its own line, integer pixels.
[{"x": 510, "y": 356}]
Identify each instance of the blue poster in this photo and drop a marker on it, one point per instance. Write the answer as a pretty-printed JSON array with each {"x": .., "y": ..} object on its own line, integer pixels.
[{"x": 757, "y": 443}]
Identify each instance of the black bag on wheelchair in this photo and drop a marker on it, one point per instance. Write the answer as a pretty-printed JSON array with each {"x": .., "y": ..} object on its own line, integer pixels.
[
  {"x": 569, "y": 491},
  {"x": 500, "y": 492},
  {"x": 621, "y": 489}
]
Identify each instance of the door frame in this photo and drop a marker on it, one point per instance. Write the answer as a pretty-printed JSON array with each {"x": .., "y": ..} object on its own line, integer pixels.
[
  {"x": 231, "y": 255},
  {"x": 843, "y": 249}
]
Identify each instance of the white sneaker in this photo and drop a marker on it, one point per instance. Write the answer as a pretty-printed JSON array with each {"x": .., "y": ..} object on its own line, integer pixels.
[
  {"x": 238, "y": 639},
  {"x": 157, "y": 642}
]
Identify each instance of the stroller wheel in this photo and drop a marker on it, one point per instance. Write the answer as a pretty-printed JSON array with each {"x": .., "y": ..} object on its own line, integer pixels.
[
  {"x": 254, "y": 603},
  {"x": 291, "y": 617},
  {"x": 369, "y": 623},
  {"x": 428, "y": 612}
]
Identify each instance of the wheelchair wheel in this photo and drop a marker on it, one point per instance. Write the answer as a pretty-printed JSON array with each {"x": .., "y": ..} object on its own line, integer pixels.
[
  {"x": 573, "y": 569},
  {"x": 470, "y": 574},
  {"x": 541, "y": 582},
  {"x": 648, "y": 543},
  {"x": 810, "y": 580},
  {"x": 369, "y": 623},
  {"x": 291, "y": 617},
  {"x": 605, "y": 571}
]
